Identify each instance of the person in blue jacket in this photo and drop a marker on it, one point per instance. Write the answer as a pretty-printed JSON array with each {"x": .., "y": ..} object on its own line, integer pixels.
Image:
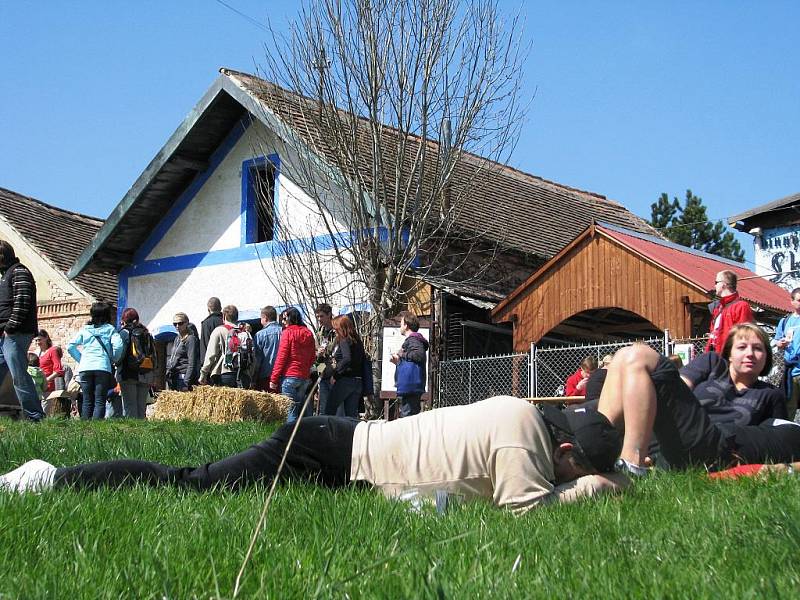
[
  {"x": 100, "y": 348},
  {"x": 411, "y": 373},
  {"x": 787, "y": 338},
  {"x": 267, "y": 340}
]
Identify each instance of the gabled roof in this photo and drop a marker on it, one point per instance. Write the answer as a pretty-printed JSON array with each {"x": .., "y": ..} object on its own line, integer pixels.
[
  {"x": 775, "y": 205},
  {"x": 59, "y": 235},
  {"x": 697, "y": 269},
  {"x": 521, "y": 211}
]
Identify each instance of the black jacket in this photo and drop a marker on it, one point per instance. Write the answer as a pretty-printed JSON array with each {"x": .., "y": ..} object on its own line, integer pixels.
[{"x": 209, "y": 324}]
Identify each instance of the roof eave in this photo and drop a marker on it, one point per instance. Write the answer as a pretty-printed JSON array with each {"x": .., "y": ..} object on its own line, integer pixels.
[
  {"x": 220, "y": 84},
  {"x": 778, "y": 204}
]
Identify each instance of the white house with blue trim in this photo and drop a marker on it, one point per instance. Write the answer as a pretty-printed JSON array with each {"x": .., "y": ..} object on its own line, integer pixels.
[
  {"x": 219, "y": 207},
  {"x": 210, "y": 216}
]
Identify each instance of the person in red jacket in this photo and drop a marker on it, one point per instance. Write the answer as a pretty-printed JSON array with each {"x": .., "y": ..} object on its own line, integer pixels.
[
  {"x": 576, "y": 383},
  {"x": 726, "y": 312},
  {"x": 296, "y": 354}
]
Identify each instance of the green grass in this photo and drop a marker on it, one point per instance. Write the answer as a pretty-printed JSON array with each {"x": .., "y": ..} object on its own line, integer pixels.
[{"x": 672, "y": 536}]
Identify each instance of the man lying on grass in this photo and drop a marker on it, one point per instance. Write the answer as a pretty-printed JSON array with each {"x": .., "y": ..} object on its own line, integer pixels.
[{"x": 503, "y": 449}]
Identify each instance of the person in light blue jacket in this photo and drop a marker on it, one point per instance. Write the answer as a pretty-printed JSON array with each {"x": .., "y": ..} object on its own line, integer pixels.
[{"x": 100, "y": 347}]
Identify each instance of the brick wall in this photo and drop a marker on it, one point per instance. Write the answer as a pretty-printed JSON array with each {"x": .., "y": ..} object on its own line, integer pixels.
[{"x": 62, "y": 320}]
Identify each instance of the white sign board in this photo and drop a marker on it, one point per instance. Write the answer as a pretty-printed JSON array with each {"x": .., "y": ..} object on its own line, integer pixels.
[
  {"x": 685, "y": 351},
  {"x": 392, "y": 341}
]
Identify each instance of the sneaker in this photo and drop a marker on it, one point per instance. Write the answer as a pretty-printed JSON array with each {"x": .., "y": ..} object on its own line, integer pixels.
[
  {"x": 33, "y": 476},
  {"x": 623, "y": 466}
]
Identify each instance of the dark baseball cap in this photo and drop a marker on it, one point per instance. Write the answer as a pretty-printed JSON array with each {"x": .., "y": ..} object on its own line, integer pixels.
[{"x": 590, "y": 431}]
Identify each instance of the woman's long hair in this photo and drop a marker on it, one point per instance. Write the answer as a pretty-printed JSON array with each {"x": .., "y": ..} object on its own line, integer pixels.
[
  {"x": 293, "y": 316},
  {"x": 345, "y": 329}
]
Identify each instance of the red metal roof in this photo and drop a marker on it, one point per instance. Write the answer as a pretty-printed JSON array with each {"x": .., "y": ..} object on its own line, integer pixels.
[{"x": 700, "y": 268}]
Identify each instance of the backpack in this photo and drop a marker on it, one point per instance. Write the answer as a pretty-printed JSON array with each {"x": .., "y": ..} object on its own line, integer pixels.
[
  {"x": 141, "y": 356},
  {"x": 239, "y": 353}
]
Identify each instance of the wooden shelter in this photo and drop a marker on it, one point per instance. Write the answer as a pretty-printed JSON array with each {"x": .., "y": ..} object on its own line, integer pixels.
[{"x": 611, "y": 283}]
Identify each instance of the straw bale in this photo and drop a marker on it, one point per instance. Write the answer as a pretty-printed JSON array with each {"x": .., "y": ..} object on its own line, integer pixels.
[{"x": 221, "y": 405}]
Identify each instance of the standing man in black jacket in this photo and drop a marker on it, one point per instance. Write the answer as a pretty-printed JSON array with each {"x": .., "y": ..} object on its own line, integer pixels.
[
  {"x": 209, "y": 324},
  {"x": 18, "y": 326}
]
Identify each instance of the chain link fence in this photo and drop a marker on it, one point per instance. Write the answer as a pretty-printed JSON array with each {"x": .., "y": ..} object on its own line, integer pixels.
[
  {"x": 552, "y": 366},
  {"x": 543, "y": 371},
  {"x": 468, "y": 380}
]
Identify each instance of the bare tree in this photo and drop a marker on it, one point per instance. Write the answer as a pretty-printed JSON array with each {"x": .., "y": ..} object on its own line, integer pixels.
[{"x": 396, "y": 110}]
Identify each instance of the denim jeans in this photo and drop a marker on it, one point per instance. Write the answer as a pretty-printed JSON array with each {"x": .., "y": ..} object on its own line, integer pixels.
[
  {"x": 177, "y": 382},
  {"x": 345, "y": 392},
  {"x": 324, "y": 395},
  {"x": 295, "y": 388},
  {"x": 94, "y": 387},
  {"x": 14, "y": 360}
]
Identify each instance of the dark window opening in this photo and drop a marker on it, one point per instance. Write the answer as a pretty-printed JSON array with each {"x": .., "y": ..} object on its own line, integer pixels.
[{"x": 262, "y": 184}]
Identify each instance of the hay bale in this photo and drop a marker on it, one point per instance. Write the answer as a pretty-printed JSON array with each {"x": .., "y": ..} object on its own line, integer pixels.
[{"x": 221, "y": 405}]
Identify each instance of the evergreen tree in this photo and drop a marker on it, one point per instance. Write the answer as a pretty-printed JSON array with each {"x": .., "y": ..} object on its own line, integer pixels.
[{"x": 688, "y": 225}]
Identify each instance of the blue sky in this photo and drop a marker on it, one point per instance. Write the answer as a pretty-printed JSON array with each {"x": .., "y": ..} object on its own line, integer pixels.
[{"x": 628, "y": 99}]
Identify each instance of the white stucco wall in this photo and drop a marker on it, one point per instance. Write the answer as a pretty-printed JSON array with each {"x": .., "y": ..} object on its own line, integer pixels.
[
  {"x": 213, "y": 220},
  {"x": 159, "y": 296}
]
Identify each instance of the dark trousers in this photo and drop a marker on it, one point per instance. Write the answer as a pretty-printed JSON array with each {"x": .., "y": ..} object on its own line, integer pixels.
[
  {"x": 345, "y": 392},
  {"x": 410, "y": 404},
  {"x": 320, "y": 452},
  {"x": 231, "y": 380}
]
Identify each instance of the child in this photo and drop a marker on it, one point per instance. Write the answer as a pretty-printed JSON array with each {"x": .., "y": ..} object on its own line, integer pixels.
[{"x": 39, "y": 380}]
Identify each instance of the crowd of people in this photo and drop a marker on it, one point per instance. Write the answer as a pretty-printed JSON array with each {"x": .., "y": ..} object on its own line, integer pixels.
[
  {"x": 116, "y": 366},
  {"x": 716, "y": 412}
]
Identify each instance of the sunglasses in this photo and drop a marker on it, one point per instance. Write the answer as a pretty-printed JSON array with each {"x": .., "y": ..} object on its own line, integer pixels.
[{"x": 179, "y": 324}]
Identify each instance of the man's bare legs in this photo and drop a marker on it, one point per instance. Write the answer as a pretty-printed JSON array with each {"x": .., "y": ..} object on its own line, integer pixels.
[{"x": 628, "y": 399}]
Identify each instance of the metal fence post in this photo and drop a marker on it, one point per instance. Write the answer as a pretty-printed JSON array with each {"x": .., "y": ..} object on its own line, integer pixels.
[
  {"x": 532, "y": 389},
  {"x": 667, "y": 349},
  {"x": 469, "y": 383}
]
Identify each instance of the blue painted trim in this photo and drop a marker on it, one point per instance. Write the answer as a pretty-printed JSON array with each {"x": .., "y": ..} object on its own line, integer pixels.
[
  {"x": 242, "y": 254},
  {"x": 191, "y": 191},
  {"x": 249, "y": 216},
  {"x": 122, "y": 295}
]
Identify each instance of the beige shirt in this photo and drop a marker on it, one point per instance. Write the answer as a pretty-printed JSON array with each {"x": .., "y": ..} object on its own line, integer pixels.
[
  {"x": 497, "y": 448},
  {"x": 214, "y": 360}
]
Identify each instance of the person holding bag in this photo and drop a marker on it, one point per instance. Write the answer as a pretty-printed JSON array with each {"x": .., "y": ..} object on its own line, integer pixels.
[{"x": 101, "y": 347}]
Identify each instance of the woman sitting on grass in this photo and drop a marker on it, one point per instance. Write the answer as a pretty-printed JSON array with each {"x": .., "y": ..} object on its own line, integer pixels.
[{"x": 716, "y": 413}]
